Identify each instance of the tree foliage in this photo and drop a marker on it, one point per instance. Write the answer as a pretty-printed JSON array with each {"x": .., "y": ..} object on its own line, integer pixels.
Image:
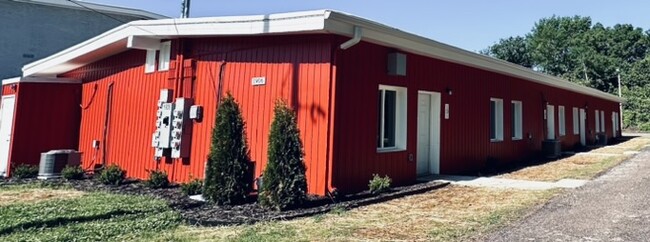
[
  {"x": 228, "y": 179},
  {"x": 284, "y": 184},
  {"x": 589, "y": 54}
]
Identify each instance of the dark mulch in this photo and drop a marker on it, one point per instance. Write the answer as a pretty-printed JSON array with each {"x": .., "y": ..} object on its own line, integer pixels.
[{"x": 208, "y": 214}]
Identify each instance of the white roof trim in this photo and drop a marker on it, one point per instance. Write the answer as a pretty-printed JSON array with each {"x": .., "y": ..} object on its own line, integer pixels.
[
  {"x": 16, "y": 80},
  {"x": 97, "y": 7},
  {"x": 320, "y": 21}
]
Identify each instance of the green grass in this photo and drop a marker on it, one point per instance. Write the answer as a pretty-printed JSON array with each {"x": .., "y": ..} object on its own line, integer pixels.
[
  {"x": 92, "y": 217},
  {"x": 33, "y": 185}
]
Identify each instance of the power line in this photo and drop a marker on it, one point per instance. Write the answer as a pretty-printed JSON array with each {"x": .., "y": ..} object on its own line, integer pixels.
[{"x": 108, "y": 16}]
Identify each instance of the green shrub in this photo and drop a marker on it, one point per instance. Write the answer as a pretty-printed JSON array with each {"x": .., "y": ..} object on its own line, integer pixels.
[
  {"x": 157, "y": 179},
  {"x": 228, "y": 179},
  {"x": 284, "y": 185},
  {"x": 25, "y": 171},
  {"x": 379, "y": 184},
  {"x": 192, "y": 187},
  {"x": 72, "y": 173},
  {"x": 112, "y": 175}
]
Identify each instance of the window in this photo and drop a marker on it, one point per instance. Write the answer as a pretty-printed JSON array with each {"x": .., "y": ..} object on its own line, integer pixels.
[
  {"x": 602, "y": 121},
  {"x": 597, "y": 121},
  {"x": 496, "y": 119},
  {"x": 560, "y": 116},
  {"x": 517, "y": 123},
  {"x": 576, "y": 124},
  {"x": 165, "y": 55},
  {"x": 391, "y": 118},
  {"x": 614, "y": 124},
  {"x": 150, "y": 63}
]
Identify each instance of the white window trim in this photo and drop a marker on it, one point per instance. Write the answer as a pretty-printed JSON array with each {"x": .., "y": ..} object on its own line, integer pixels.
[
  {"x": 597, "y": 120},
  {"x": 561, "y": 120},
  {"x": 400, "y": 119},
  {"x": 576, "y": 121},
  {"x": 518, "y": 133},
  {"x": 150, "y": 62},
  {"x": 499, "y": 119},
  {"x": 165, "y": 56}
]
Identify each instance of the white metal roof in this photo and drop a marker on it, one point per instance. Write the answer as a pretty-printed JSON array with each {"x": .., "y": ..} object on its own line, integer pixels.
[
  {"x": 97, "y": 7},
  {"x": 319, "y": 21}
]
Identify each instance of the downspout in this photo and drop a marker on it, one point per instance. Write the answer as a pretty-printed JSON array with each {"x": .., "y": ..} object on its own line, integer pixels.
[{"x": 356, "y": 38}]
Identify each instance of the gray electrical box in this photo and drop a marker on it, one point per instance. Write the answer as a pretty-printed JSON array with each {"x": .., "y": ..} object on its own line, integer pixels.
[
  {"x": 53, "y": 162},
  {"x": 161, "y": 137},
  {"x": 181, "y": 128},
  {"x": 396, "y": 64}
]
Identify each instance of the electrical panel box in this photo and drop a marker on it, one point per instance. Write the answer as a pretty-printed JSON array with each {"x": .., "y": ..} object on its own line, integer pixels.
[
  {"x": 162, "y": 135},
  {"x": 196, "y": 112},
  {"x": 396, "y": 64},
  {"x": 181, "y": 128}
]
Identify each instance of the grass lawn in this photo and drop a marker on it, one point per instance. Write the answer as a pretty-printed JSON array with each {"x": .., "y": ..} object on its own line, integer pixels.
[
  {"x": 453, "y": 213},
  {"x": 46, "y": 214},
  {"x": 580, "y": 166}
]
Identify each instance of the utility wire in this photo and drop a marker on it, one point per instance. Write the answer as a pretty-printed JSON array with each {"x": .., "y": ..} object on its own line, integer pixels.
[{"x": 108, "y": 16}]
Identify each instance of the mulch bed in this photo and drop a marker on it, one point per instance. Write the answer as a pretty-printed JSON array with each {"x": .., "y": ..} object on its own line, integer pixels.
[{"x": 208, "y": 214}]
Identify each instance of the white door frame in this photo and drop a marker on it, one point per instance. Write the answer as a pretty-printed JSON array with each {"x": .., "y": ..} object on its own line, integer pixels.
[
  {"x": 583, "y": 118},
  {"x": 4, "y": 158},
  {"x": 434, "y": 131}
]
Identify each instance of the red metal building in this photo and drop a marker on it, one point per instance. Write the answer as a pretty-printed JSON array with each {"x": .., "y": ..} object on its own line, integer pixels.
[{"x": 369, "y": 98}]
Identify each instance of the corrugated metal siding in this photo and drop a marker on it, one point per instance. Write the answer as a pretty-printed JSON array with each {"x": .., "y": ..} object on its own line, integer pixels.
[
  {"x": 465, "y": 143},
  {"x": 46, "y": 118},
  {"x": 296, "y": 69},
  {"x": 8, "y": 90}
]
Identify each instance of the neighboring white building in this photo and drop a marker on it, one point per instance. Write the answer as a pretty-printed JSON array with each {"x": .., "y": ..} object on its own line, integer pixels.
[{"x": 34, "y": 29}]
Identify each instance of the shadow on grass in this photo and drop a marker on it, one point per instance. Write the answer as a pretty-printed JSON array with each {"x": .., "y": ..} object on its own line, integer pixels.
[{"x": 61, "y": 221}]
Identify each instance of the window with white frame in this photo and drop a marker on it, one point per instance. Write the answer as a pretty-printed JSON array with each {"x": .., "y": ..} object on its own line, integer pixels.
[
  {"x": 614, "y": 124},
  {"x": 150, "y": 62},
  {"x": 576, "y": 122},
  {"x": 602, "y": 121},
  {"x": 496, "y": 119},
  {"x": 597, "y": 116},
  {"x": 517, "y": 120},
  {"x": 165, "y": 55},
  {"x": 561, "y": 120},
  {"x": 391, "y": 118}
]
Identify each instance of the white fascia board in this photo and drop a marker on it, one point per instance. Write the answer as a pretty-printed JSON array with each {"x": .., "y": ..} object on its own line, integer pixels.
[
  {"x": 373, "y": 32},
  {"x": 16, "y": 80},
  {"x": 111, "y": 41}
]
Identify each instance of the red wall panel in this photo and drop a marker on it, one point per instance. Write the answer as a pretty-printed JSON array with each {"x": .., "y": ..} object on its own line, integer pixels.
[
  {"x": 46, "y": 118},
  {"x": 464, "y": 137},
  {"x": 296, "y": 69}
]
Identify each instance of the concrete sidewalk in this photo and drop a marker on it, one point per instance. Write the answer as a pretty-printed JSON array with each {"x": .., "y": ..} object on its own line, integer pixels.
[{"x": 504, "y": 183}]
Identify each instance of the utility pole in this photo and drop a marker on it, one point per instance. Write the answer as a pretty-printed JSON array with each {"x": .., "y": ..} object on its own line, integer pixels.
[
  {"x": 185, "y": 9},
  {"x": 620, "y": 105}
]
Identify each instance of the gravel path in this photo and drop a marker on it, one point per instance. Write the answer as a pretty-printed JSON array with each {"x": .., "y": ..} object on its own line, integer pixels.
[{"x": 613, "y": 207}]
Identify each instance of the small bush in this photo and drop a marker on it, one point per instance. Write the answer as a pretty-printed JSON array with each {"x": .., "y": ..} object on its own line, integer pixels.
[
  {"x": 25, "y": 171},
  {"x": 112, "y": 175},
  {"x": 72, "y": 173},
  {"x": 379, "y": 184},
  {"x": 193, "y": 187},
  {"x": 227, "y": 178},
  {"x": 285, "y": 184},
  {"x": 157, "y": 179}
]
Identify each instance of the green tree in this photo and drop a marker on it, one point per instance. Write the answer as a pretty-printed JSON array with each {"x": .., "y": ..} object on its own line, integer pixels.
[
  {"x": 284, "y": 184},
  {"x": 228, "y": 179},
  {"x": 512, "y": 49}
]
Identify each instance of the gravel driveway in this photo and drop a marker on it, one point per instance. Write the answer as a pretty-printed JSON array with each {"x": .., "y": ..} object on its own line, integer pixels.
[{"x": 613, "y": 207}]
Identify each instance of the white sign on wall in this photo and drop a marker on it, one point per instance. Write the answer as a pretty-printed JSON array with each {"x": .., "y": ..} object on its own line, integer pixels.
[
  {"x": 258, "y": 81},
  {"x": 446, "y": 111}
]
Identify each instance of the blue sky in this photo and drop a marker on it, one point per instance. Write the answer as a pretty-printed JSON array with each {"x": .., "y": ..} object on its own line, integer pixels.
[{"x": 471, "y": 25}]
